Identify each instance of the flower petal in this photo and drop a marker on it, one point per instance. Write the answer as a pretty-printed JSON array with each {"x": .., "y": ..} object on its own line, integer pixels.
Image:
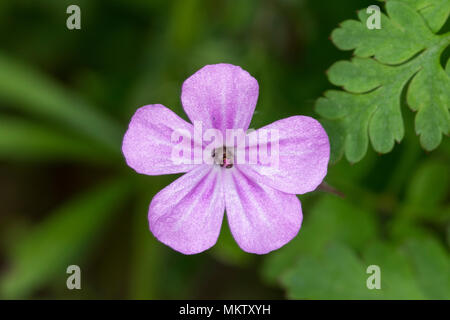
[
  {"x": 147, "y": 144},
  {"x": 187, "y": 214},
  {"x": 221, "y": 96},
  {"x": 261, "y": 218},
  {"x": 304, "y": 152}
]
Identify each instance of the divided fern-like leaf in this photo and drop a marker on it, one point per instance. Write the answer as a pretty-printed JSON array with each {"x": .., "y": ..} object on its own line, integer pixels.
[
  {"x": 435, "y": 12},
  {"x": 405, "y": 54}
]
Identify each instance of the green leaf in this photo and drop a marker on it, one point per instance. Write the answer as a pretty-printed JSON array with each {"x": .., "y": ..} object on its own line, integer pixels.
[
  {"x": 429, "y": 95},
  {"x": 337, "y": 274},
  {"x": 417, "y": 269},
  {"x": 24, "y": 88},
  {"x": 227, "y": 251},
  {"x": 331, "y": 219},
  {"x": 431, "y": 263},
  {"x": 61, "y": 240},
  {"x": 427, "y": 258},
  {"x": 397, "y": 275},
  {"x": 336, "y": 130},
  {"x": 402, "y": 228},
  {"x": 427, "y": 189},
  {"x": 148, "y": 258},
  {"x": 26, "y": 140},
  {"x": 404, "y": 50},
  {"x": 435, "y": 12}
]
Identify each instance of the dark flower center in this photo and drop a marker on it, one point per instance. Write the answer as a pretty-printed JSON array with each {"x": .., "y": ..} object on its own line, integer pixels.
[{"x": 223, "y": 157}]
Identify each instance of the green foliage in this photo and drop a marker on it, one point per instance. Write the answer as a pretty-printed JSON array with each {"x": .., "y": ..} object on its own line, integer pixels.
[
  {"x": 30, "y": 91},
  {"x": 398, "y": 280},
  {"x": 147, "y": 259},
  {"x": 66, "y": 98},
  {"x": 403, "y": 55},
  {"x": 435, "y": 12},
  {"x": 227, "y": 251},
  {"x": 338, "y": 241},
  {"x": 338, "y": 274},
  {"x": 431, "y": 263},
  {"x": 331, "y": 219},
  {"x": 425, "y": 195},
  {"x": 417, "y": 269},
  {"x": 64, "y": 237},
  {"x": 28, "y": 141}
]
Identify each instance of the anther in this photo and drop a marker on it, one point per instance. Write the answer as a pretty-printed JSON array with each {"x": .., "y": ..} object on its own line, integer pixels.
[{"x": 223, "y": 157}]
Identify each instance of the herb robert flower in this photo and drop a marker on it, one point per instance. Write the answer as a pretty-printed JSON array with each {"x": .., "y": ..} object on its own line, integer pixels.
[{"x": 260, "y": 199}]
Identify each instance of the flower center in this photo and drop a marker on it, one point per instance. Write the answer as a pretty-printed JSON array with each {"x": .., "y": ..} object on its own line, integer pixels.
[{"x": 223, "y": 156}]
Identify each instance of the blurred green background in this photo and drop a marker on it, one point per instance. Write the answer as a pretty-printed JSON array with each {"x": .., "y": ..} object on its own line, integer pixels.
[{"x": 67, "y": 196}]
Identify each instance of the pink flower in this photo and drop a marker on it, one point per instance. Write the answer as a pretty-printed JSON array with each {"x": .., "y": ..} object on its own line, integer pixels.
[{"x": 262, "y": 208}]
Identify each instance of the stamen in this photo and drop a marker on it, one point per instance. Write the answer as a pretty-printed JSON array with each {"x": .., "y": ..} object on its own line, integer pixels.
[{"x": 223, "y": 157}]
